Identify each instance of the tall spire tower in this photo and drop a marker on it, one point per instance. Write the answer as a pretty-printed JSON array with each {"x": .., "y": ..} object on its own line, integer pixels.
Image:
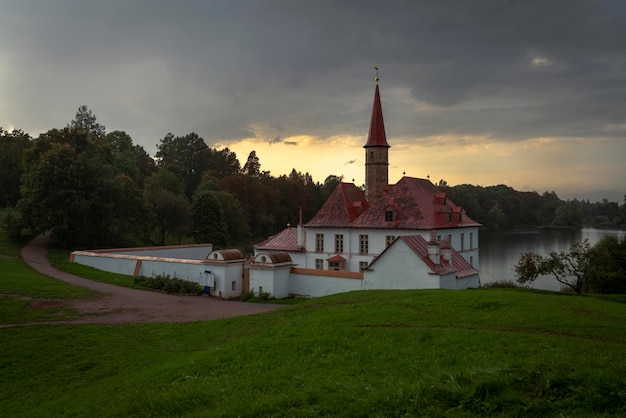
[{"x": 376, "y": 151}]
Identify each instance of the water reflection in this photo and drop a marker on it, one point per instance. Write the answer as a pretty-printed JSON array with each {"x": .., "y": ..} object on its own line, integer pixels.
[{"x": 500, "y": 251}]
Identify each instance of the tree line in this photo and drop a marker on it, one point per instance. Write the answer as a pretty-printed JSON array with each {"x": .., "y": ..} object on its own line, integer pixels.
[
  {"x": 93, "y": 189},
  {"x": 502, "y": 207}
]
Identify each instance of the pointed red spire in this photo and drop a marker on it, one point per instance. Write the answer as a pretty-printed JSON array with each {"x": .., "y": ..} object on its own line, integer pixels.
[{"x": 377, "y": 136}]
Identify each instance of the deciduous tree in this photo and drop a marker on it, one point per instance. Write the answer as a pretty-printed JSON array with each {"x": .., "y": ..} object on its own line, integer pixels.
[
  {"x": 186, "y": 156},
  {"x": 607, "y": 273},
  {"x": 570, "y": 268},
  {"x": 68, "y": 189},
  {"x": 167, "y": 203},
  {"x": 223, "y": 163},
  {"x": 12, "y": 147}
]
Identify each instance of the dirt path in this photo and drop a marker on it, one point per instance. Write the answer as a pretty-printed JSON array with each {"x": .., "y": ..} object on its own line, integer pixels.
[{"x": 124, "y": 305}]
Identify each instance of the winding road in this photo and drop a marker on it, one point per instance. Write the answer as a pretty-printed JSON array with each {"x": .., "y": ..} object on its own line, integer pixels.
[{"x": 119, "y": 305}]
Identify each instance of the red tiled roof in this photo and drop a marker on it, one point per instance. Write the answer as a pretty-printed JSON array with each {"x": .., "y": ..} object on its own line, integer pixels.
[
  {"x": 277, "y": 257},
  {"x": 416, "y": 204},
  {"x": 377, "y": 136},
  {"x": 336, "y": 258},
  {"x": 344, "y": 205},
  {"x": 419, "y": 246},
  {"x": 232, "y": 254},
  {"x": 285, "y": 240}
]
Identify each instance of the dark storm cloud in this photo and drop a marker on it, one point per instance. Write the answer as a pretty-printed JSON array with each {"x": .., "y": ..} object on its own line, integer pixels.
[{"x": 506, "y": 69}]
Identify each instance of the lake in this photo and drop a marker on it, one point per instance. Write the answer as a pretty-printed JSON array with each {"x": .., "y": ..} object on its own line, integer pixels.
[{"x": 500, "y": 251}]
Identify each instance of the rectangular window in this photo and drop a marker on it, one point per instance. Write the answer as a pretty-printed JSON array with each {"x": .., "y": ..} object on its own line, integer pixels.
[
  {"x": 388, "y": 216},
  {"x": 363, "y": 244},
  {"x": 319, "y": 264},
  {"x": 462, "y": 241},
  {"x": 319, "y": 243},
  {"x": 471, "y": 240},
  {"x": 338, "y": 243},
  {"x": 233, "y": 285},
  {"x": 472, "y": 261},
  {"x": 389, "y": 239},
  {"x": 363, "y": 265}
]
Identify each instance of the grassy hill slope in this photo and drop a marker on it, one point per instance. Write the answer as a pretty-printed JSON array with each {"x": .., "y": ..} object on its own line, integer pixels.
[{"x": 387, "y": 353}]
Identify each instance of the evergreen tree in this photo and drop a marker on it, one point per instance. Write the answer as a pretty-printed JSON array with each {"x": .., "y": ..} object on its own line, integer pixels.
[
  {"x": 208, "y": 220},
  {"x": 85, "y": 119}
]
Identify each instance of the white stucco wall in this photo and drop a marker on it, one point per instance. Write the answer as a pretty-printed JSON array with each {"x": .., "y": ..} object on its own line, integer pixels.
[
  {"x": 223, "y": 277},
  {"x": 377, "y": 242},
  {"x": 312, "y": 285},
  {"x": 270, "y": 280},
  {"x": 261, "y": 280},
  {"x": 400, "y": 268},
  {"x": 298, "y": 258},
  {"x": 180, "y": 269},
  {"x": 120, "y": 265},
  {"x": 150, "y": 266},
  {"x": 468, "y": 282},
  {"x": 281, "y": 282}
]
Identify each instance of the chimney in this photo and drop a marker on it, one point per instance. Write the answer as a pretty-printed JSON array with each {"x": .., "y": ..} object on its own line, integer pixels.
[
  {"x": 446, "y": 251},
  {"x": 300, "y": 229},
  {"x": 433, "y": 247}
]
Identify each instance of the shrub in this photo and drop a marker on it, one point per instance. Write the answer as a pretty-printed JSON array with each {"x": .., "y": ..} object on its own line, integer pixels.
[
  {"x": 502, "y": 284},
  {"x": 264, "y": 296},
  {"x": 13, "y": 227},
  {"x": 168, "y": 285},
  {"x": 247, "y": 295}
]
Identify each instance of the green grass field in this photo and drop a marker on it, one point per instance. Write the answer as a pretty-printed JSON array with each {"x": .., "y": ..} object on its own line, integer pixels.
[
  {"x": 484, "y": 352},
  {"x": 21, "y": 288}
]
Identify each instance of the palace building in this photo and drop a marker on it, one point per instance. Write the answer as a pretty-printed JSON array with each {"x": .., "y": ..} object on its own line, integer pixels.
[{"x": 406, "y": 235}]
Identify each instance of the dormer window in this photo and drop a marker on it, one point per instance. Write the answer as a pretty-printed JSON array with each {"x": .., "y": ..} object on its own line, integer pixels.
[{"x": 390, "y": 214}]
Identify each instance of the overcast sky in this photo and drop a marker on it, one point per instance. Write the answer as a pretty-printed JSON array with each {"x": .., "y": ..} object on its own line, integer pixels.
[{"x": 531, "y": 94}]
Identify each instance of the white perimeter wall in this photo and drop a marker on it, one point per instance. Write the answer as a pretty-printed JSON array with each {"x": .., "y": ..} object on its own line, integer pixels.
[
  {"x": 150, "y": 266},
  {"x": 270, "y": 280},
  {"x": 312, "y": 285}
]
